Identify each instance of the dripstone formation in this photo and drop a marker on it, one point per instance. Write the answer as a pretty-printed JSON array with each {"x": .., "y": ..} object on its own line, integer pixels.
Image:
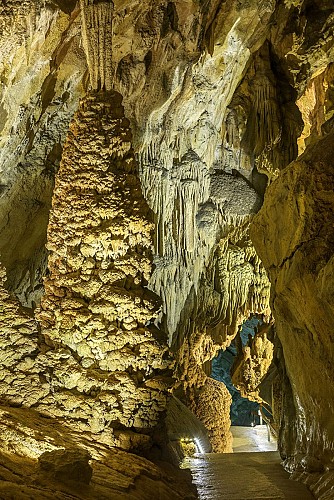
[
  {"x": 96, "y": 304},
  {"x": 165, "y": 175}
]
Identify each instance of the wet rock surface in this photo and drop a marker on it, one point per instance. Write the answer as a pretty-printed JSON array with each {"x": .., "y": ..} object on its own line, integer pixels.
[
  {"x": 298, "y": 255},
  {"x": 251, "y": 476}
]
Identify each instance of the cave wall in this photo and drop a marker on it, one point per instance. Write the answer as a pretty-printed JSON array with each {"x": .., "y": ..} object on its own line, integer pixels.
[
  {"x": 296, "y": 245},
  {"x": 220, "y": 98}
]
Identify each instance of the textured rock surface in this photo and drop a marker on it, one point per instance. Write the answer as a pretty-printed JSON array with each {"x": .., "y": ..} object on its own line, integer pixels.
[
  {"x": 27, "y": 437},
  {"x": 295, "y": 242},
  {"x": 243, "y": 411},
  {"x": 221, "y": 97},
  {"x": 96, "y": 306},
  {"x": 252, "y": 364},
  {"x": 213, "y": 409}
]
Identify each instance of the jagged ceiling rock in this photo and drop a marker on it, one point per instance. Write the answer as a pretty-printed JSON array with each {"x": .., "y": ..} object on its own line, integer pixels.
[{"x": 302, "y": 37}]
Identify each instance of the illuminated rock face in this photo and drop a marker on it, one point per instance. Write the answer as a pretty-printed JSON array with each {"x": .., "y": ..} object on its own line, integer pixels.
[
  {"x": 20, "y": 383},
  {"x": 96, "y": 305},
  {"x": 295, "y": 242},
  {"x": 216, "y": 93},
  {"x": 252, "y": 364},
  {"x": 212, "y": 407}
]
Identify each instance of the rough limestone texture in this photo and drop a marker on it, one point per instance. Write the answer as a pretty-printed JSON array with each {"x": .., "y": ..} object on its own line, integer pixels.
[
  {"x": 295, "y": 241},
  {"x": 41, "y": 458},
  {"x": 216, "y": 93},
  {"x": 213, "y": 409},
  {"x": 252, "y": 364},
  {"x": 235, "y": 286},
  {"x": 96, "y": 305},
  {"x": 20, "y": 383},
  {"x": 45, "y": 458}
]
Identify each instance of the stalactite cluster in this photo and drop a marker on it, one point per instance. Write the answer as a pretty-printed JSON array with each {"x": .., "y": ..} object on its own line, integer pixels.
[
  {"x": 234, "y": 286},
  {"x": 97, "y": 19}
]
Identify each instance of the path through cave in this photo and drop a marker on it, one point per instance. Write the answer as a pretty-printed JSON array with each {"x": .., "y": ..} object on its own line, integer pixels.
[{"x": 243, "y": 476}]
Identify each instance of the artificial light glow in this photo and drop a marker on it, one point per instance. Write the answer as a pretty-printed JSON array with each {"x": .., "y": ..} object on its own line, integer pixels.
[{"x": 199, "y": 446}]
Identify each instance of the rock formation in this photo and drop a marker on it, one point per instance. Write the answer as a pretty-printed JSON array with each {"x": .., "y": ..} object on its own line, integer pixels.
[
  {"x": 95, "y": 303},
  {"x": 299, "y": 258},
  {"x": 165, "y": 173},
  {"x": 252, "y": 364}
]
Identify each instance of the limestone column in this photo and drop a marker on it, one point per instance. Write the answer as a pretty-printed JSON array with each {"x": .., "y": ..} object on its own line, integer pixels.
[{"x": 96, "y": 304}]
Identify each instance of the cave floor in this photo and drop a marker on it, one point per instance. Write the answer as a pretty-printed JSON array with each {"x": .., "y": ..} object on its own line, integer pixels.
[
  {"x": 252, "y": 439},
  {"x": 243, "y": 476}
]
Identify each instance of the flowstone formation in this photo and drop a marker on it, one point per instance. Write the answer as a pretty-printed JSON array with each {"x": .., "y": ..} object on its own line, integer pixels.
[{"x": 213, "y": 409}]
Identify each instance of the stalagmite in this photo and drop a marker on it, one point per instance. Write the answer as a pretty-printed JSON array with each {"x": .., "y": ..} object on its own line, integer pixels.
[
  {"x": 96, "y": 305},
  {"x": 95, "y": 301}
]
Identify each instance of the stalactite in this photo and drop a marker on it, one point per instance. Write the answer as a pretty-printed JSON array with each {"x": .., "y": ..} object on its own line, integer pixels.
[{"x": 97, "y": 18}]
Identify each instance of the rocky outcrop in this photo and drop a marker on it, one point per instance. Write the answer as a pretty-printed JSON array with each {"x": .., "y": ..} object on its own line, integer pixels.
[
  {"x": 295, "y": 241},
  {"x": 212, "y": 406},
  {"x": 43, "y": 458}
]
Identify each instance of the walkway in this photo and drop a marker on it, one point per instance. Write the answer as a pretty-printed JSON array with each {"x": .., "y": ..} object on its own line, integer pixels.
[
  {"x": 252, "y": 439},
  {"x": 243, "y": 475}
]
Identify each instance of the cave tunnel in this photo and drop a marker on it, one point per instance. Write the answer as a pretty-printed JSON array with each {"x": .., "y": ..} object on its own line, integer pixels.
[{"x": 166, "y": 249}]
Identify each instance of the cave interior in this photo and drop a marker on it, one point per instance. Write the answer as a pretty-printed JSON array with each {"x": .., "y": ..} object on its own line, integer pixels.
[{"x": 167, "y": 241}]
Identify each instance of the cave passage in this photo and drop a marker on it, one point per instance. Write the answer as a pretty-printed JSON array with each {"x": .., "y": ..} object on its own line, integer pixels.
[
  {"x": 243, "y": 411},
  {"x": 243, "y": 476},
  {"x": 166, "y": 249},
  {"x": 250, "y": 420}
]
